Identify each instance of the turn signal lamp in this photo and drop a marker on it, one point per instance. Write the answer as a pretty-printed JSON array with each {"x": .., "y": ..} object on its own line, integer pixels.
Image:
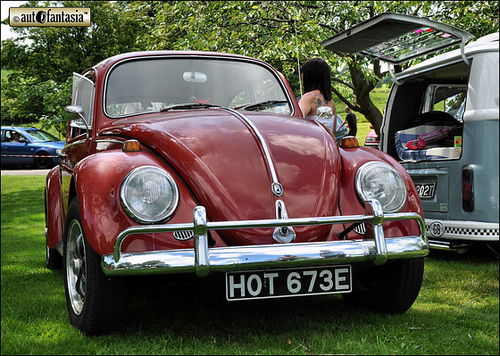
[
  {"x": 349, "y": 142},
  {"x": 132, "y": 146}
]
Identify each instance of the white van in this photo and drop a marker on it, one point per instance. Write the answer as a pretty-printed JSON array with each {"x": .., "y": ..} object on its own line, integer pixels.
[{"x": 440, "y": 121}]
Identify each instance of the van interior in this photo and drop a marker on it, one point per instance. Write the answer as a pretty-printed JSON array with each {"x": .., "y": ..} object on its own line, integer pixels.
[{"x": 426, "y": 117}]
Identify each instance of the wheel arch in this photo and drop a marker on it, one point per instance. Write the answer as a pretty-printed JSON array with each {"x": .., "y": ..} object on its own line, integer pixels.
[{"x": 97, "y": 181}]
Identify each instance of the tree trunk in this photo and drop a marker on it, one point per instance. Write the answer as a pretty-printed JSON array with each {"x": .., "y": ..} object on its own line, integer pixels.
[{"x": 361, "y": 87}]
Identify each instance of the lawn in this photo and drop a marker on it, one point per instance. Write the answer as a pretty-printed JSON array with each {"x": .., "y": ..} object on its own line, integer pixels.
[{"x": 456, "y": 313}]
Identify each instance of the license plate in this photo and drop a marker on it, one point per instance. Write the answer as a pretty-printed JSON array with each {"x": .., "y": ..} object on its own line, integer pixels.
[
  {"x": 425, "y": 190},
  {"x": 292, "y": 282}
]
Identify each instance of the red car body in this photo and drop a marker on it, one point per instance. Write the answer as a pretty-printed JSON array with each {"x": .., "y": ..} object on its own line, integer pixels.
[{"x": 256, "y": 189}]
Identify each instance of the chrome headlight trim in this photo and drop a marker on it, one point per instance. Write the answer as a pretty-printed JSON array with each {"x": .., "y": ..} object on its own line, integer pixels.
[
  {"x": 379, "y": 180},
  {"x": 149, "y": 194}
]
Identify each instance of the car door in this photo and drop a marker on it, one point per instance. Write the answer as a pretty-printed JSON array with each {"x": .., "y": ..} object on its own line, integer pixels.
[{"x": 16, "y": 153}]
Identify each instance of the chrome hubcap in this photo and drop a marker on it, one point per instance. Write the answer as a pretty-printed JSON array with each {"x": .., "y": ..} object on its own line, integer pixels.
[{"x": 76, "y": 275}]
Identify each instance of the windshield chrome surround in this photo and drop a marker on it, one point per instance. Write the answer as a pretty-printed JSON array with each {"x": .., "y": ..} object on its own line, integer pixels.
[{"x": 208, "y": 55}]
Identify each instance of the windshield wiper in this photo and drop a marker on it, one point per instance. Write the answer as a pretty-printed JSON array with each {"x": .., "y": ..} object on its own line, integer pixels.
[
  {"x": 184, "y": 106},
  {"x": 254, "y": 106}
]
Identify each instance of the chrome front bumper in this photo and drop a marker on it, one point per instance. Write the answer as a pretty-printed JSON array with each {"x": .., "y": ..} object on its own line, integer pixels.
[{"x": 203, "y": 260}]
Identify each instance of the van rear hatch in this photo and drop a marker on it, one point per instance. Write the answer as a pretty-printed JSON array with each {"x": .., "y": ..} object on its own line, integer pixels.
[{"x": 396, "y": 38}]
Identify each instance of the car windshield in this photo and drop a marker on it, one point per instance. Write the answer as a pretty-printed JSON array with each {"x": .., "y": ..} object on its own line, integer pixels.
[
  {"x": 150, "y": 85},
  {"x": 40, "y": 136}
]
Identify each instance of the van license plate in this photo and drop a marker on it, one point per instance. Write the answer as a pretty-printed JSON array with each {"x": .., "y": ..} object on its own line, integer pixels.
[
  {"x": 292, "y": 282},
  {"x": 425, "y": 190}
]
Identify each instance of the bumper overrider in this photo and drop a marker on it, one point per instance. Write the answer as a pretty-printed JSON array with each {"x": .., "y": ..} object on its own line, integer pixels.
[{"x": 203, "y": 260}]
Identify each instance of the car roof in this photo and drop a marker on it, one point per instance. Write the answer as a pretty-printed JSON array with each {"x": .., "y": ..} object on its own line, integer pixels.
[
  {"x": 108, "y": 62},
  {"x": 20, "y": 128},
  {"x": 15, "y": 128}
]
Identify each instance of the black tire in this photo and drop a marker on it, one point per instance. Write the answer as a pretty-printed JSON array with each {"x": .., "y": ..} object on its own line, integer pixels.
[
  {"x": 43, "y": 162},
  {"x": 391, "y": 288},
  {"x": 53, "y": 259},
  {"x": 96, "y": 303}
]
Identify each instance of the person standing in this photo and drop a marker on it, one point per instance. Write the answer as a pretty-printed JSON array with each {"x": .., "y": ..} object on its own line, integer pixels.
[
  {"x": 352, "y": 122},
  {"x": 317, "y": 86}
]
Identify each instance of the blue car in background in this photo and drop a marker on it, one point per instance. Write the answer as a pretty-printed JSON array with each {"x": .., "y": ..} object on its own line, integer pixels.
[{"x": 29, "y": 147}]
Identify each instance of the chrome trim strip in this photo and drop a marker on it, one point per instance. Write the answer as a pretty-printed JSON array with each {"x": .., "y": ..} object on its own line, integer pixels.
[
  {"x": 203, "y": 260},
  {"x": 276, "y": 186},
  {"x": 148, "y": 55},
  {"x": 105, "y": 140}
]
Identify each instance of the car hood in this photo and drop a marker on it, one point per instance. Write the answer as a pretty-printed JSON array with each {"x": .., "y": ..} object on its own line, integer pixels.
[
  {"x": 57, "y": 145},
  {"x": 218, "y": 154}
]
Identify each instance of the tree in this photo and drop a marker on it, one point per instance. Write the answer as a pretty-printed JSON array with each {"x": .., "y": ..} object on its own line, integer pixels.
[
  {"x": 44, "y": 58},
  {"x": 285, "y": 33}
]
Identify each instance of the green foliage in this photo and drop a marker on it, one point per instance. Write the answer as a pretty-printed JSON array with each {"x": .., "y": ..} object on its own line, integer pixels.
[
  {"x": 32, "y": 102},
  {"x": 40, "y": 86},
  {"x": 54, "y": 53}
]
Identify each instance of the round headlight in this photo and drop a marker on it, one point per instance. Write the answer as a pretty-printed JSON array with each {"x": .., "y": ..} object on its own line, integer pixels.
[
  {"x": 378, "y": 180},
  {"x": 149, "y": 194}
]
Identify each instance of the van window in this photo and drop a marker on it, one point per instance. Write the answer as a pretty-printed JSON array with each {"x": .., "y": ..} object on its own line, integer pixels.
[{"x": 450, "y": 99}]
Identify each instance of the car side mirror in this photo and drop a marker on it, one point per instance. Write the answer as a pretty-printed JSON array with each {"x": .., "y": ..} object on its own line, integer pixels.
[{"x": 73, "y": 112}]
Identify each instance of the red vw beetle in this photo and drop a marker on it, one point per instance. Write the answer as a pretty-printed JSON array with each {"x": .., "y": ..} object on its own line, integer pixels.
[{"x": 199, "y": 163}]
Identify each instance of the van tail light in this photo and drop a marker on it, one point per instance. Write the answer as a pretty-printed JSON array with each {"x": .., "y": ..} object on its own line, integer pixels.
[{"x": 468, "y": 189}]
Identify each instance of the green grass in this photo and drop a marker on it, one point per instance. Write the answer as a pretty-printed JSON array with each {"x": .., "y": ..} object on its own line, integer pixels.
[{"x": 456, "y": 313}]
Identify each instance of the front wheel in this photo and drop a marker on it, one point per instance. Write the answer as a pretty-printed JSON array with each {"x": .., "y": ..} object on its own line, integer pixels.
[
  {"x": 391, "y": 288},
  {"x": 96, "y": 304},
  {"x": 43, "y": 161}
]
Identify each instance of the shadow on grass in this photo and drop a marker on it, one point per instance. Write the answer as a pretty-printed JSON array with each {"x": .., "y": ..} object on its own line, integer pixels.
[
  {"x": 480, "y": 252},
  {"x": 200, "y": 308}
]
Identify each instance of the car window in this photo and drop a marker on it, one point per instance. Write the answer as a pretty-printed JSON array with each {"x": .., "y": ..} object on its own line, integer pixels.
[
  {"x": 83, "y": 96},
  {"x": 9, "y": 136},
  {"x": 148, "y": 85},
  {"x": 40, "y": 136}
]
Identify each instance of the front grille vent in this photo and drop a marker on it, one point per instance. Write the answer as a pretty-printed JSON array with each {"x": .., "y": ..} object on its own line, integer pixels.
[{"x": 183, "y": 235}]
